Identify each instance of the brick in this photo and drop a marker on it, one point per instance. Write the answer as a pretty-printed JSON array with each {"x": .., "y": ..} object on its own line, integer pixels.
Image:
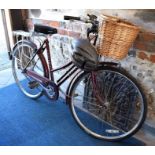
[
  {"x": 145, "y": 41},
  {"x": 148, "y": 37},
  {"x": 46, "y": 22},
  {"x": 152, "y": 58},
  {"x": 62, "y": 31},
  {"x": 74, "y": 34},
  {"x": 54, "y": 24},
  {"x": 150, "y": 48},
  {"x": 143, "y": 55},
  {"x": 140, "y": 45}
]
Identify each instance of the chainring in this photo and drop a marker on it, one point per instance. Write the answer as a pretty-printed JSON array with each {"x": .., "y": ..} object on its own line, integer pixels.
[{"x": 51, "y": 91}]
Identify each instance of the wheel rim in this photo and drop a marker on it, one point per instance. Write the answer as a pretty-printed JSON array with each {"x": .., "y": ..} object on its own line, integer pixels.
[
  {"x": 21, "y": 57},
  {"x": 101, "y": 126}
]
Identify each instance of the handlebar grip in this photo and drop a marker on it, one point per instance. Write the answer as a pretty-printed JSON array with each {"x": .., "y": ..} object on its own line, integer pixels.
[{"x": 71, "y": 18}]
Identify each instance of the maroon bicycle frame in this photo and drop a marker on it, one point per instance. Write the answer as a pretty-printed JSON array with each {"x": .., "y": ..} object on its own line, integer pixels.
[{"x": 48, "y": 68}]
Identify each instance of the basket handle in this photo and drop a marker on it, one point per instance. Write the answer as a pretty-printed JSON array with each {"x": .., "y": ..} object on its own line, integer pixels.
[
  {"x": 110, "y": 17},
  {"x": 116, "y": 19}
]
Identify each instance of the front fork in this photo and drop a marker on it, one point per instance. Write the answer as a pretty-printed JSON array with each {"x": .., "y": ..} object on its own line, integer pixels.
[{"x": 96, "y": 89}]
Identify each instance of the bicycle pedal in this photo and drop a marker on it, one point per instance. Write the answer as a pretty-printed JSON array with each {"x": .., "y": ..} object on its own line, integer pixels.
[{"x": 33, "y": 84}]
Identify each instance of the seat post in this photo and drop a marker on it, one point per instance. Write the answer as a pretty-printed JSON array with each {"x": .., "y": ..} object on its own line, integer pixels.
[{"x": 49, "y": 58}]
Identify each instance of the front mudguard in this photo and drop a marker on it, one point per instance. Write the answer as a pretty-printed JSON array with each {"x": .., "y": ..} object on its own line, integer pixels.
[{"x": 101, "y": 66}]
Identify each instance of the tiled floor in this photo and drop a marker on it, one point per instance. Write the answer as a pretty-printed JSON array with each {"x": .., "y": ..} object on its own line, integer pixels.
[
  {"x": 4, "y": 60},
  {"x": 6, "y": 77}
]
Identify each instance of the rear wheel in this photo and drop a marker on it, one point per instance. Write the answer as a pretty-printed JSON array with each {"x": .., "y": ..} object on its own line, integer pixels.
[
  {"x": 22, "y": 54},
  {"x": 109, "y": 105}
]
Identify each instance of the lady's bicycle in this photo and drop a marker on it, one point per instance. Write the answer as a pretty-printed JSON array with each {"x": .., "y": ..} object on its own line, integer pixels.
[{"x": 104, "y": 99}]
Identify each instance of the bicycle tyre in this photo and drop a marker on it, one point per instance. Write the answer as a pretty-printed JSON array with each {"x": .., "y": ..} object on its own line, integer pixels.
[
  {"x": 93, "y": 133},
  {"x": 33, "y": 93}
]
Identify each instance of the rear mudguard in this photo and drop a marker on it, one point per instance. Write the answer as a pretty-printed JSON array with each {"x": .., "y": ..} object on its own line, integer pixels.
[
  {"x": 27, "y": 42},
  {"x": 41, "y": 56}
]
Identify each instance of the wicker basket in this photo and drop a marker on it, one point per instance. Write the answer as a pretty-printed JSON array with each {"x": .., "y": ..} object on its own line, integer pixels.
[{"x": 115, "y": 37}]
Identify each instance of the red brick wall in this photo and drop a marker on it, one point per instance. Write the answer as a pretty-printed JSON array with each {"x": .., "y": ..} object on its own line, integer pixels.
[
  {"x": 144, "y": 43},
  {"x": 144, "y": 48},
  {"x": 57, "y": 24}
]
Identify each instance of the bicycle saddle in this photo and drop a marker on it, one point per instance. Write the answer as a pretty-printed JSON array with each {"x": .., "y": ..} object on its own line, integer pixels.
[
  {"x": 44, "y": 29},
  {"x": 84, "y": 54}
]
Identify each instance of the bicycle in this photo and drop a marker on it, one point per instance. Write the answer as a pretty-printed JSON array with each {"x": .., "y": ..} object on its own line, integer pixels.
[{"x": 105, "y": 101}]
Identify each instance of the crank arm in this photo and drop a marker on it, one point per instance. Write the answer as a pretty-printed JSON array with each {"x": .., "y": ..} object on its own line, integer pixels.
[{"x": 44, "y": 82}]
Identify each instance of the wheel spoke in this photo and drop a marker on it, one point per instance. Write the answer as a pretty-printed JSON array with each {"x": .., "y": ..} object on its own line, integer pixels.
[
  {"x": 22, "y": 56},
  {"x": 89, "y": 103},
  {"x": 120, "y": 113}
]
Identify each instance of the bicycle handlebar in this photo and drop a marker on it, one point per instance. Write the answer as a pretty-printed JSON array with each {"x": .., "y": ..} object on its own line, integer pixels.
[
  {"x": 92, "y": 19},
  {"x": 71, "y": 18}
]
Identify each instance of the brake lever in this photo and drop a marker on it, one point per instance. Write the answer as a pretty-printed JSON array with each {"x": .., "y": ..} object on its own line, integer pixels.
[{"x": 92, "y": 17}]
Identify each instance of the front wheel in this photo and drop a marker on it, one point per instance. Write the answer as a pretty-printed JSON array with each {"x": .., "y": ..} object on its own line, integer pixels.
[{"x": 108, "y": 104}]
